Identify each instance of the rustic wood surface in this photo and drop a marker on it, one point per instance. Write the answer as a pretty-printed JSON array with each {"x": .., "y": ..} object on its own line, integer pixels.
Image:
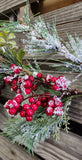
[
  {"x": 9, "y": 151},
  {"x": 6, "y": 5},
  {"x": 48, "y": 6},
  {"x": 69, "y": 147},
  {"x": 68, "y": 20}
]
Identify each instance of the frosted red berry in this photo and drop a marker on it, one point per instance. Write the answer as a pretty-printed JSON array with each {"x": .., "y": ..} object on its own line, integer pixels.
[
  {"x": 29, "y": 118},
  {"x": 49, "y": 111},
  {"x": 56, "y": 88},
  {"x": 14, "y": 87},
  {"x": 54, "y": 79},
  {"x": 8, "y": 79},
  {"x": 39, "y": 75},
  {"x": 17, "y": 106},
  {"x": 19, "y": 98},
  {"x": 58, "y": 111},
  {"x": 51, "y": 103},
  {"x": 13, "y": 66},
  {"x": 18, "y": 91},
  {"x": 17, "y": 70}
]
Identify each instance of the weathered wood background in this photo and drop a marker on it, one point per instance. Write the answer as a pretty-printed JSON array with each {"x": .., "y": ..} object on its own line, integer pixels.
[
  {"x": 68, "y": 19},
  {"x": 7, "y": 5}
]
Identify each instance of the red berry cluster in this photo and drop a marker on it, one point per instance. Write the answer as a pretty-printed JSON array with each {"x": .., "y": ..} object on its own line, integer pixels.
[
  {"x": 13, "y": 106},
  {"x": 27, "y": 85}
]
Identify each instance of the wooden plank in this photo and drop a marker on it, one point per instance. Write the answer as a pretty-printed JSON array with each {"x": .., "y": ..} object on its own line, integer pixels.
[
  {"x": 3, "y": 116},
  {"x": 67, "y": 148},
  {"x": 64, "y": 15},
  {"x": 71, "y": 29},
  {"x": 5, "y": 6},
  {"x": 9, "y": 151},
  {"x": 68, "y": 20},
  {"x": 48, "y": 6}
]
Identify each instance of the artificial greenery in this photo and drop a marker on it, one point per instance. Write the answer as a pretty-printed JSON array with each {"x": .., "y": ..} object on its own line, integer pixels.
[{"x": 41, "y": 39}]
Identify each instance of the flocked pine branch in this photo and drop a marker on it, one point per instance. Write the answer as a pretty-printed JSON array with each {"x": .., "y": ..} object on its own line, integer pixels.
[{"x": 40, "y": 40}]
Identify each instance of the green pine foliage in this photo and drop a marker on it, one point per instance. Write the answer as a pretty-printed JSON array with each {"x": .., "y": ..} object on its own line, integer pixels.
[{"x": 30, "y": 134}]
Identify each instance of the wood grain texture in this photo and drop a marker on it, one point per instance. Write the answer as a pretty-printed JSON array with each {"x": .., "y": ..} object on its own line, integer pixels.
[
  {"x": 45, "y": 6},
  {"x": 67, "y": 148},
  {"x": 6, "y": 5},
  {"x": 3, "y": 116},
  {"x": 9, "y": 151},
  {"x": 68, "y": 20},
  {"x": 64, "y": 15}
]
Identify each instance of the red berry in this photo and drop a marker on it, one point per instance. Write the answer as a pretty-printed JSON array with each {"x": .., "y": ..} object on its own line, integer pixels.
[
  {"x": 29, "y": 118},
  {"x": 49, "y": 111},
  {"x": 44, "y": 104},
  {"x": 43, "y": 99},
  {"x": 31, "y": 78},
  {"x": 19, "y": 80},
  {"x": 7, "y": 107},
  {"x": 12, "y": 111},
  {"x": 8, "y": 79},
  {"x": 51, "y": 103},
  {"x": 11, "y": 103},
  {"x": 29, "y": 112},
  {"x": 14, "y": 87},
  {"x": 22, "y": 114},
  {"x": 19, "y": 98},
  {"x": 48, "y": 78},
  {"x": 38, "y": 103},
  {"x": 13, "y": 66},
  {"x": 34, "y": 107},
  {"x": 55, "y": 97},
  {"x": 39, "y": 75},
  {"x": 58, "y": 111},
  {"x": 14, "y": 81},
  {"x": 28, "y": 84},
  {"x": 58, "y": 104},
  {"x": 28, "y": 91},
  {"x": 34, "y": 87},
  {"x": 60, "y": 77},
  {"x": 56, "y": 88},
  {"x": 18, "y": 91},
  {"x": 32, "y": 99},
  {"x": 17, "y": 70},
  {"x": 54, "y": 79},
  {"x": 26, "y": 106},
  {"x": 17, "y": 106}
]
